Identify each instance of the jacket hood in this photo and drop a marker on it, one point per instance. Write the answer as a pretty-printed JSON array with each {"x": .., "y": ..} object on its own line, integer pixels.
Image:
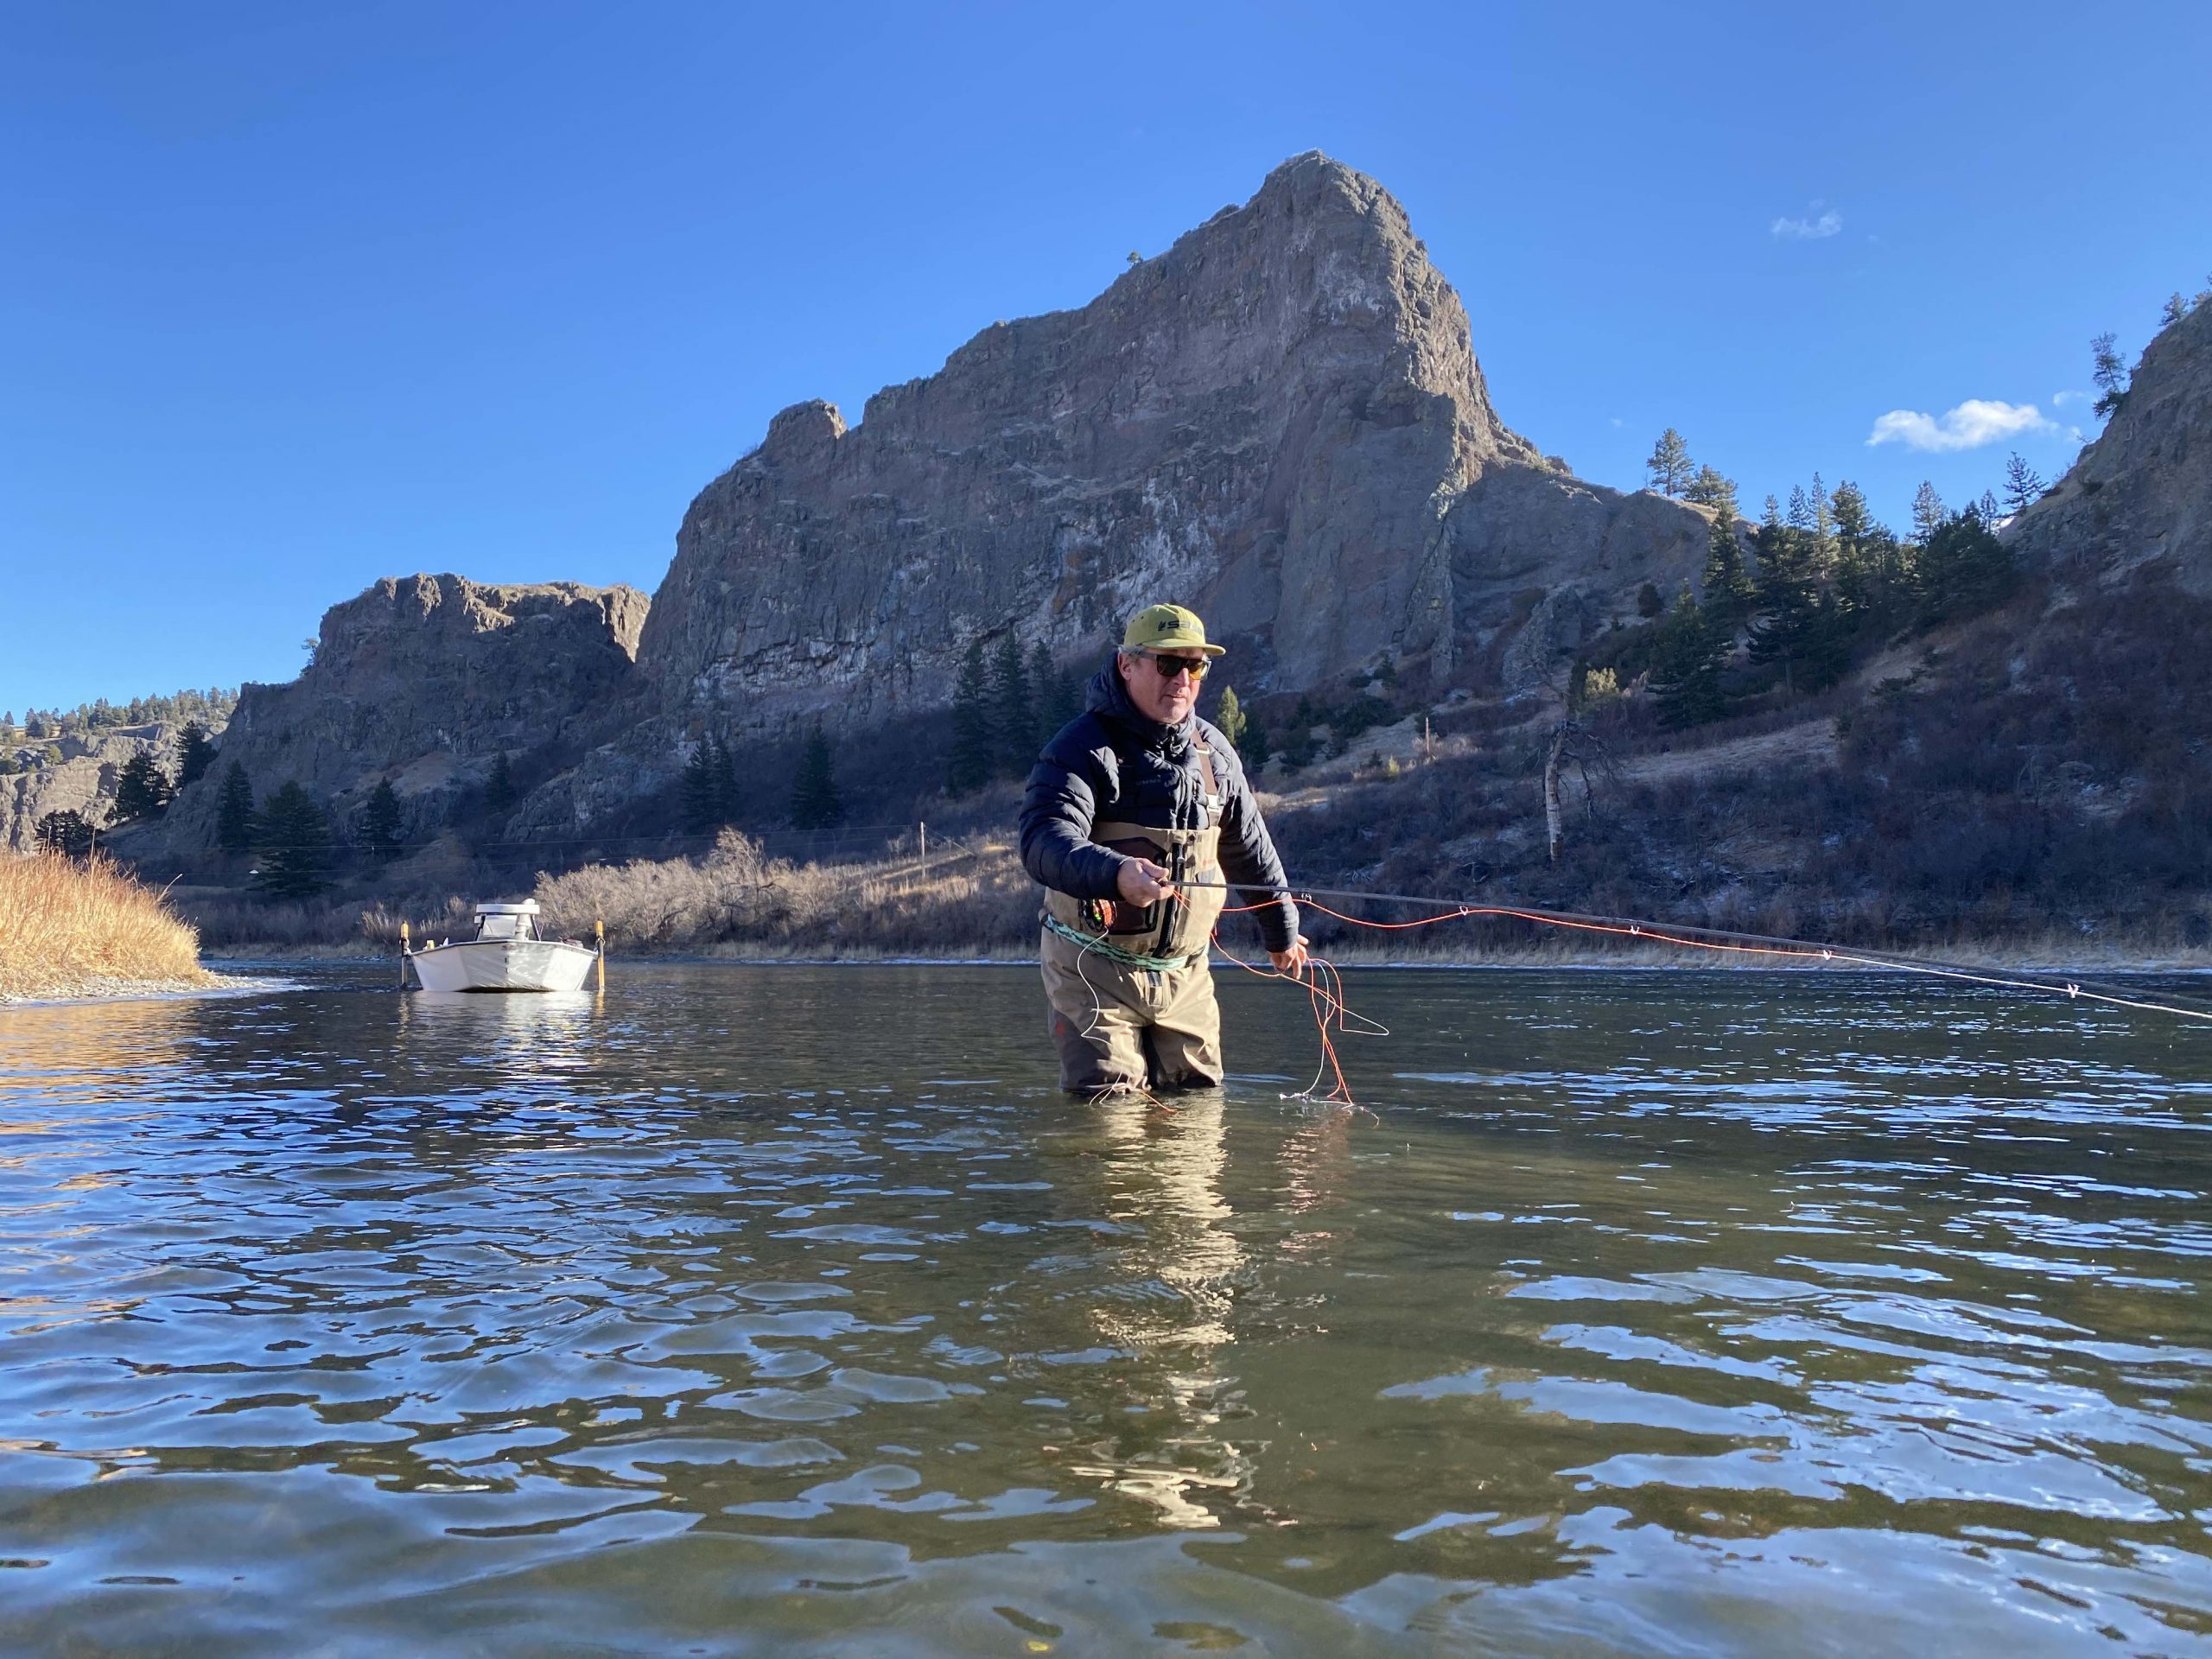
[{"x": 1109, "y": 699}]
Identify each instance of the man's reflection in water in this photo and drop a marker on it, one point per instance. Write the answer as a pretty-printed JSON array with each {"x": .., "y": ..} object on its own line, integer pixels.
[
  {"x": 1168, "y": 1306},
  {"x": 1169, "y": 1294}
]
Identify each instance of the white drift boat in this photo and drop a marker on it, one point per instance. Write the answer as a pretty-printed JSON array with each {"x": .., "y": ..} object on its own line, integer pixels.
[{"x": 506, "y": 955}]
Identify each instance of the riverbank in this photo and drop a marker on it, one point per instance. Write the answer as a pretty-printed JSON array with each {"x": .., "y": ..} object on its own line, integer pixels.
[
  {"x": 2023, "y": 956},
  {"x": 87, "y": 930}
]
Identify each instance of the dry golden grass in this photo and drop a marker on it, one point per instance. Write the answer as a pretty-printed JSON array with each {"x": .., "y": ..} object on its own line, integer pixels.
[
  {"x": 961, "y": 900},
  {"x": 75, "y": 929}
]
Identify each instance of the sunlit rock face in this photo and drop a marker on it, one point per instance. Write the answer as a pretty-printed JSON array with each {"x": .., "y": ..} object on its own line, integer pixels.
[
  {"x": 426, "y": 680},
  {"x": 1279, "y": 421},
  {"x": 2140, "y": 497}
]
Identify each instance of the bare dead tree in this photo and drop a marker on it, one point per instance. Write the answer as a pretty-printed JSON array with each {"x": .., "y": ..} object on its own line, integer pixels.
[{"x": 1573, "y": 745}]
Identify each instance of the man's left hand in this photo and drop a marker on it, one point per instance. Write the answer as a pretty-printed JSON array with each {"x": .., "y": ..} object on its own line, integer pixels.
[{"x": 1291, "y": 964}]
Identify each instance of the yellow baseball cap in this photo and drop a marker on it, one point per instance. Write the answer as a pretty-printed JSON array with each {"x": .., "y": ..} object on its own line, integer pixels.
[{"x": 1167, "y": 627}]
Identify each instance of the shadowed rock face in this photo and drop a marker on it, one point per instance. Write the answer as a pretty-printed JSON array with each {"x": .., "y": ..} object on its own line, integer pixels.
[
  {"x": 2140, "y": 495},
  {"x": 1279, "y": 421},
  {"x": 426, "y": 679}
]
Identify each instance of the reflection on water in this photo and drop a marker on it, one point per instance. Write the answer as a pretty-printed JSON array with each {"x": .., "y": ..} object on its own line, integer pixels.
[{"x": 774, "y": 1310}]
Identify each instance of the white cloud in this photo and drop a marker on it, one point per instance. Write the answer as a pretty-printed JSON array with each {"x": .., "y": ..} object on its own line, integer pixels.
[
  {"x": 1615, "y": 419},
  {"x": 1819, "y": 220},
  {"x": 1970, "y": 425},
  {"x": 2060, "y": 399}
]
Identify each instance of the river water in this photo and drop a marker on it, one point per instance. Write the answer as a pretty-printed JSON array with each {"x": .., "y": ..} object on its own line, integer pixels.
[{"x": 791, "y": 1311}]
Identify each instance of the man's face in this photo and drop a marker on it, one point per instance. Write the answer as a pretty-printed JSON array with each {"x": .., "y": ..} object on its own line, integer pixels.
[{"x": 1168, "y": 699}]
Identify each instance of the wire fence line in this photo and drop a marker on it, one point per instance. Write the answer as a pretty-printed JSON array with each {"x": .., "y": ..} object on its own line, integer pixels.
[{"x": 844, "y": 843}]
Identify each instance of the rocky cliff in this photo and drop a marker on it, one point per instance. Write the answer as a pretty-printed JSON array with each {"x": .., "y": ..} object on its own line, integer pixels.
[
  {"x": 427, "y": 680},
  {"x": 1280, "y": 419},
  {"x": 2140, "y": 497},
  {"x": 82, "y": 781}
]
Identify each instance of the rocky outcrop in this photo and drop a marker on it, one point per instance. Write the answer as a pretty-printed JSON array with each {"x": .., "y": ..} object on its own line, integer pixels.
[
  {"x": 1280, "y": 419},
  {"x": 2141, "y": 495},
  {"x": 81, "y": 781},
  {"x": 426, "y": 680}
]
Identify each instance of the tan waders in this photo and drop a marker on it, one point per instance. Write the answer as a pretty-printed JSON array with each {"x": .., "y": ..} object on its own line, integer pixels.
[
  {"x": 1117, "y": 1027},
  {"x": 1131, "y": 992}
]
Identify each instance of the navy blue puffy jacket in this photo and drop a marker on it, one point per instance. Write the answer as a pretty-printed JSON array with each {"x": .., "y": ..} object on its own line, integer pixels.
[{"x": 1111, "y": 762}]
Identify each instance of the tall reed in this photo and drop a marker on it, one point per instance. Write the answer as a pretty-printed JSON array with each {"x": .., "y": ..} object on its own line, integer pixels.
[{"x": 70, "y": 929}]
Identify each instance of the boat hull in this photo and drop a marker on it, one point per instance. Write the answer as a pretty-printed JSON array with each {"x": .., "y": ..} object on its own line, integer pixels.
[{"x": 504, "y": 965}]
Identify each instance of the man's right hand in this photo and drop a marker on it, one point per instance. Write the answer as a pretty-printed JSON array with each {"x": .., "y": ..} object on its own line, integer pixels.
[{"x": 1141, "y": 881}]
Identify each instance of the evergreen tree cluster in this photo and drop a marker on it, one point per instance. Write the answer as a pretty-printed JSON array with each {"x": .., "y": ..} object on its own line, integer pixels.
[
  {"x": 68, "y": 833},
  {"x": 290, "y": 833},
  {"x": 208, "y": 707},
  {"x": 1315, "y": 731},
  {"x": 1005, "y": 708},
  {"x": 1827, "y": 581}
]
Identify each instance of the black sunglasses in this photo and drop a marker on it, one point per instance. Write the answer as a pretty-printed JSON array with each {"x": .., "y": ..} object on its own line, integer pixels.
[{"x": 1169, "y": 667}]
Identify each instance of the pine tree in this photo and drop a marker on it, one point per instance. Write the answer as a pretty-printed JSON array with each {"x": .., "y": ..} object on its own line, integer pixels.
[
  {"x": 234, "y": 813},
  {"x": 1928, "y": 512},
  {"x": 1789, "y": 595},
  {"x": 1710, "y": 489},
  {"x": 1852, "y": 519},
  {"x": 1729, "y": 595},
  {"x": 2110, "y": 374},
  {"x": 710, "y": 787},
  {"x": 499, "y": 787},
  {"x": 142, "y": 789},
  {"x": 815, "y": 801},
  {"x": 293, "y": 845},
  {"x": 1041, "y": 676},
  {"x": 2022, "y": 485},
  {"x": 1650, "y": 602},
  {"x": 1686, "y": 666},
  {"x": 1669, "y": 466},
  {"x": 194, "y": 754},
  {"x": 1061, "y": 697},
  {"x": 1013, "y": 715},
  {"x": 727, "y": 796},
  {"x": 67, "y": 833},
  {"x": 1824, "y": 547},
  {"x": 380, "y": 821},
  {"x": 2176, "y": 309},
  {"x": 969, "y": 768},
  {"x": 1229, "y": 714}
]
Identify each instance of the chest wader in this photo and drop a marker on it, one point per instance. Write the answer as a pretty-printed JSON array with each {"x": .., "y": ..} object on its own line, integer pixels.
[{"x": 1132, "y": 996}]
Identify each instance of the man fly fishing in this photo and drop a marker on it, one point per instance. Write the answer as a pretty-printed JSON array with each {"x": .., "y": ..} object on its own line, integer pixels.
[{"x": 1129, "y": 802}]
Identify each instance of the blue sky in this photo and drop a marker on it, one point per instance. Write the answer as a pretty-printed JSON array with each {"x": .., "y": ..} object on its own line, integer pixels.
[{"x": 292, "y": 297}]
